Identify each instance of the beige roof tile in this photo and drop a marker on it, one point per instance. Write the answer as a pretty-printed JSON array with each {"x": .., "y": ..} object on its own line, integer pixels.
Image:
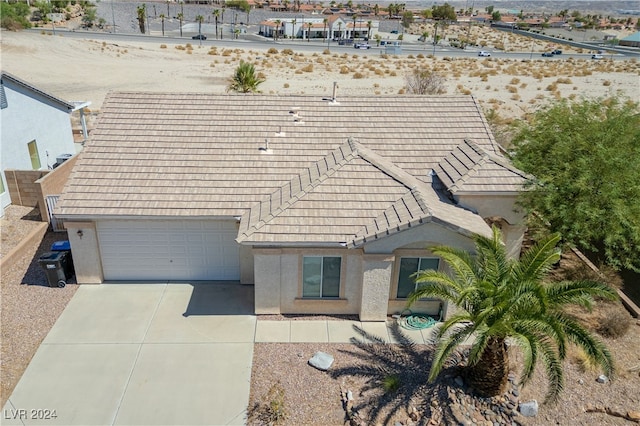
[
  {"x": 198, "y": 155},
  {"x": 470, "y": 168}
]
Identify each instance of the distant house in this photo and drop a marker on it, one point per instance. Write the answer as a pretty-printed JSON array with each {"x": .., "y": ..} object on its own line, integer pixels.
[
  {"x": 36, "y": 129},
  {"x": 631, "y": 41},
  {"x": 326, "y": 205}
]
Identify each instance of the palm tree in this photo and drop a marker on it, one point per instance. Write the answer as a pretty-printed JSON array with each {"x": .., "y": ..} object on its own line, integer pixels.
[
  {"x": 500, "y": 299},
  {"x": 142, "y": 15},
  {"x": 309, "y": 25},
  {"x": 181, "y": 18},
  {"x": 275, "y": 33},
  {"x": 162, "y": 19},
  {"x": 355, "y": 17},
  {"x": 293, "y": 27},
  {"x": 199, "y": 19},
  {"x": 325, "y": 21},
  {"x": 216, "y": 15},
  {"x": 369, "y": 25},
  {"x": 244, "y": 79}
]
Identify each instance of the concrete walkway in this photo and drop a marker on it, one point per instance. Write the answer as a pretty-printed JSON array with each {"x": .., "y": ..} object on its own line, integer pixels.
[{"x": 158, "y": 354}]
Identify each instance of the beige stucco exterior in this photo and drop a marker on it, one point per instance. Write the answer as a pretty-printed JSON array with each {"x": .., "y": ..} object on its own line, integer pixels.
[
  {"x": 369, "y": 281},
  {"x": 86, "y": 252}
]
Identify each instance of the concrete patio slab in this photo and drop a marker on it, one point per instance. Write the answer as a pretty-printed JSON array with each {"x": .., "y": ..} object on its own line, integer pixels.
[
  {"x": 82, "y": 383},
  {"x": 110, "y": 313},
  {"x": 309, "y": 331},
  {"x": 343, "y": 331},
  {"x": 188, "y": 384},
  {"x": 200, "y": 313},
  {"x": 273, "y": 331}
]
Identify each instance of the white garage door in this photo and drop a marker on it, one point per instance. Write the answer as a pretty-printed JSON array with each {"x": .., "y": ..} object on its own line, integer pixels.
[{"x": 169, "y": 250}]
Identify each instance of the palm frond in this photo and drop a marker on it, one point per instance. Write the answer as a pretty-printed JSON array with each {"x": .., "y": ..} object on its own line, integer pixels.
[
  {"x": 538, "y": 260},
  {"x": 529, "y": 344},
  {"x": 446, "y": 346},
  {"x": 553, "y": 367},
  {"x": 592, "y": 347},
  {"x": 578, "y": 293}
]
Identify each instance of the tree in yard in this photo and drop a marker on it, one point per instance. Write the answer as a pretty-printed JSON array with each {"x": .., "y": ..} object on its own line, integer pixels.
[
  {"x": 325, "y": 21},
  {"x": 199, "y": 20},
  {"x": 369, "y": 26},
  {"x": 424, "y": 82},
  {"x": 496, "y": 16},
  {"x": 293, "y": 27},
  {"x": 89, "y": 17},
  {"x": 216, "y": 15},
  {"x": 142, "y": 16},
  {"x": 162, "y": 20},
  {"x": 501, "y": 298},
  {"x": 445, "y": 12},
  {"x": 181, "y": 18},
  {"x": 585, "y": 157},
  {"x": 407, "y": 19},
  {"x": 309, "y": 26},
  {"x": 244, "y": 79}
]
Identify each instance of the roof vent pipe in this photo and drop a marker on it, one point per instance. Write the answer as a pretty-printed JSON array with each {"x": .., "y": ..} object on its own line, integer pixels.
[{"x": 265, "y": 149}]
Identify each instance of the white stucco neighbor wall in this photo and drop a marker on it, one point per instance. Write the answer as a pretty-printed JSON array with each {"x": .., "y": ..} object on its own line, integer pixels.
[
  {"x": 86, "y": 253},
  {"x": 27, "y": 118}
]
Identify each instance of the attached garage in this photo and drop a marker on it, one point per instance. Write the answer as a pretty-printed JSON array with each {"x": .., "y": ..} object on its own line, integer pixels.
[{"x": 169, "y": 249}]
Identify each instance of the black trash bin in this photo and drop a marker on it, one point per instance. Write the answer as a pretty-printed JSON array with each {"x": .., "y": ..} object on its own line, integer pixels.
[
  {"x": 54, "y": 265},
  {"x": 65, "y": 246}
]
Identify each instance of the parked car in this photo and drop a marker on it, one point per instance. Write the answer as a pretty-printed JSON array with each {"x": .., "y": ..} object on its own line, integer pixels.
[
  {"x": 556, "y": 52},
  {"x": 547, "y": 54},
  {"x": 597, "y": 56},
  {"x": 199, "y": 37},
  {"x": 394, "y": 31},
  {"x": 362, "y": 46},
  {"x": 484, "y": 53}
]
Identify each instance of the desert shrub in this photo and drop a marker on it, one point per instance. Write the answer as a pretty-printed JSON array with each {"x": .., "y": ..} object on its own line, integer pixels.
[
  {"x": 271, "y": 410},
  {"x": 163, "y": 46},
  {"x": 226, "y": 52},
  {"x": 514, "y": 81},
  {"x": 391, "y": 383},
  {"x": 272, "y": 50},
  {"x": 287, "y": 52},
  {"x": 358, "y": 75},
  {"x": 606, "y": 83},
  {"x": 286, "y": 85},
  {"x": 615, "y": 324},
  {"x": 512, "y": 89},
  {"x": 326, "y": 52},
  {"x": 344, "y": 69},
  {"x": 564, "y": 80},
  {"x": 308, "y": 68},
  {"x": 424, "y": 82}
]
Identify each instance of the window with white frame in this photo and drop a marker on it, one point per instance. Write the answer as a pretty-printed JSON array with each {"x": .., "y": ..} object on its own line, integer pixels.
[
  {"x": 408, "y": 267},
  {"x": 321, "y": 276}
]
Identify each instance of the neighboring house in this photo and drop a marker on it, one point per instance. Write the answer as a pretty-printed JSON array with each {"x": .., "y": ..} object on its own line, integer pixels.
[
  {"x": 631, "y": 41},
  {"x": 327, "y": 205},
  {"x": 36, "y": 129}
]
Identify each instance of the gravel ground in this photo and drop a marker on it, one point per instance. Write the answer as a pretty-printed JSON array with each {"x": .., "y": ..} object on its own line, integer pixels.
[
  {"x": 313, "y": 397},
  {"x": 29, "y": 307}
]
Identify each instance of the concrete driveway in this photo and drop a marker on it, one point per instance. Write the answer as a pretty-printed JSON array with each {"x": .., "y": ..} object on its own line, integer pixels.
[{"x": 142, "y": 354}]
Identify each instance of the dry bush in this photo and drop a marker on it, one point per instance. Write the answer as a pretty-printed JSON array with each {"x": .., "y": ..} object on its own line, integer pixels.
[
  {"x": 515, "y": 97},
  {"x": 564, "y": 81},
  {"x": 358, "y": 75},
  {"x": 272, "y": 50},
  {"x": 552, "y": 87},
  {"x": 511, "y": 89},
  {"x": 188, "y": 46},
  {"x": 424, "y": 82},
  {"x": 179, "y": 47},
  {"x": 344, "y": 69},
  {"x": 163, "y": 46},
  {"x": 514, "y": 81},
  {"x": 308, "y": 68},
  {"x": 227, "y": 52},
  {"x": 286, "y": 85},
  {"x": 606, "y": 83},
  {"x": 287, "y": 52}
]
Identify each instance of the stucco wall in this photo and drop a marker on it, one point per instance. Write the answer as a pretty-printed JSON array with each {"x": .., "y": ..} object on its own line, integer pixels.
[
  {"x": 52, "y": 184},
  {"x": 26, "y": 119},
  {"x": 246, "y": 265},
  {"x": 85, "y": 250},
  {"x": 493, "y": 205},
  {"x": 376, "y": 282}
]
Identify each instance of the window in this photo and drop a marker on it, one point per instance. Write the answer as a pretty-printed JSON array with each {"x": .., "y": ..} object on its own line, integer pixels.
[
  {"x": 321, "y": 276},
  {"x": 408, "y": 267},
  {"x": 1, "y": 185},
  {"x": 35, "y": 156}
]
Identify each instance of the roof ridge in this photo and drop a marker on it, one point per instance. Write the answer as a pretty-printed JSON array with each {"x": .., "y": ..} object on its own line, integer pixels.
[
  {"x": 297, "y": 187},
  {"x": 476, "y": 164}
]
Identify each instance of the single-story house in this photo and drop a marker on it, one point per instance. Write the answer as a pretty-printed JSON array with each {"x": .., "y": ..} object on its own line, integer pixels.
[
  {"x": 36, "y": 129},
  {"x": 632, "y": 40},
  {"x": 325, "y": 205}
]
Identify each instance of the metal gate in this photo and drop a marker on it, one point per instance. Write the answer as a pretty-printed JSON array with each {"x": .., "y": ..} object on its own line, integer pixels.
[{"x": 56, "y": 224}]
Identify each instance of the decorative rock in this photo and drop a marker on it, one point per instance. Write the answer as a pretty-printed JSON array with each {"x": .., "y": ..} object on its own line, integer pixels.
[
  {"x": 529, "y": 408},
  {"x": 581, "y": 382},
  {"x": 602, "y": 379},
  {"x": 633, "y": 415},
  {"x": 321, "y": 360},
  {"x": 515, "y": 392}
]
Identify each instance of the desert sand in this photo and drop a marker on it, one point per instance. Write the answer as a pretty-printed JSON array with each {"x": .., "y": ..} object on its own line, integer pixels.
[{"x": 86, "y": 70}]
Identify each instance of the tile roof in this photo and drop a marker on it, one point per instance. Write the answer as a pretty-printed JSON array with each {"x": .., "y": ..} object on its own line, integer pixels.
[
  {"x": 344, "y": 199},
  {"x": 469, "y": 168},
  {"x": 197, "y": 154}
]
